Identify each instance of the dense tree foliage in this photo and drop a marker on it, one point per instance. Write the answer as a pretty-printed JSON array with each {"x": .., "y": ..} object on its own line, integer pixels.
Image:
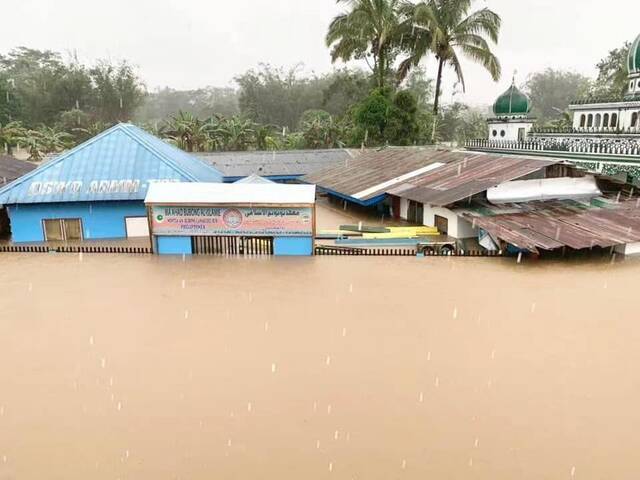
[
  {"x": 613, "y": 71},
  {"x": 48, "y": 103},
  {"x": 551, "y": 91}
]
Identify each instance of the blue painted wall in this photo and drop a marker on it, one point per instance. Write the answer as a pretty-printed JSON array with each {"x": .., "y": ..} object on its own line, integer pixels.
[
  {"x": 100, "y": 220},
  {"x": 173, "y": 245},
  {"x": 292, "y": 246}
]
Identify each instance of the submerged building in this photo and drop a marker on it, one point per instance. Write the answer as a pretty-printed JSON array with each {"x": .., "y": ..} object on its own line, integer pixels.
[
  {"x": 604, "y": 136},
  {"x": 97, "y": 189},
  {"x": 495, "y": 201}
]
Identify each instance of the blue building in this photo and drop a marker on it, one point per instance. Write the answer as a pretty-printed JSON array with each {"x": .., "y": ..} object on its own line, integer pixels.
[{"x": 97, "y": 190}]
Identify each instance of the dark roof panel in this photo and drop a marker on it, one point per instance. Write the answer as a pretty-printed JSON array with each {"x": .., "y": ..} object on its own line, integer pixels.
[
  {"x": 12, "y": 168},
  {"x": 276, "y": 163}
]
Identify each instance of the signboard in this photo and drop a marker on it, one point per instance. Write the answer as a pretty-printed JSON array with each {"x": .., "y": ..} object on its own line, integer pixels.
[
  {"x": 92, "y": 187},
  {"x": 232, "y": 221}
]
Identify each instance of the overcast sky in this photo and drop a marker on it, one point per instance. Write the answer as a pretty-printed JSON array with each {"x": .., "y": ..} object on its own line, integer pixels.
[{"x": 194, "y": 43}]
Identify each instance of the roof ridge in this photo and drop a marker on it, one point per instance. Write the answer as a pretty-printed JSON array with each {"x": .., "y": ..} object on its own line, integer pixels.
[
  {"x": 46, "y": 166},
  {"x": 127, "y": 127}
]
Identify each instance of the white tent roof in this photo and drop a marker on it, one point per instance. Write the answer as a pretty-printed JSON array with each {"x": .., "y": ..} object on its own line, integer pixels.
[
  {"x": 253, "y": 178},
  {"x": 230, "y": 193}
]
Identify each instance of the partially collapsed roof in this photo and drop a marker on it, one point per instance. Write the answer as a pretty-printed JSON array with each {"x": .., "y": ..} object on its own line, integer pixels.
[
  {"x": 285, "y": 163},
  {"x": 12, "y": 168},
  {"x": 426, "y": 175},
  {"x": 118, "y": 164},
  {"x": 556, "y": 225}
]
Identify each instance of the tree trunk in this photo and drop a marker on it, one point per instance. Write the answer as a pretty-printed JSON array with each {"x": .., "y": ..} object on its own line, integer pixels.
[
  {"x": 437, "y": 99},
  {"x": 381, "y": 69}
]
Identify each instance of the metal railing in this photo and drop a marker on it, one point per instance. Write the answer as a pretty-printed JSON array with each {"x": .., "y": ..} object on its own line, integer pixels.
[
  {"x": 73, "y": 249},
  {"x": 583, "y": 146}
]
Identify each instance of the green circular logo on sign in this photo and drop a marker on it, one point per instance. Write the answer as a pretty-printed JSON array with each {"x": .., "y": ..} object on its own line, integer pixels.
[{"x": 160, "y": 218}]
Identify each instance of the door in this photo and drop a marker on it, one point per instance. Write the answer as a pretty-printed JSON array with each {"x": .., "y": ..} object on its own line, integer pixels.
[
  {"x": 521, "y": 134},
  {"x": 137, "y": 227},
  {"x": 415, "y": 212},
  {"x": 442, "y": 224}
]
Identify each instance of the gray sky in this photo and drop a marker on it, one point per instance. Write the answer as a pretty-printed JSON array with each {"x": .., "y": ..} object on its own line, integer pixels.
[{"x": 194, "y": 43}]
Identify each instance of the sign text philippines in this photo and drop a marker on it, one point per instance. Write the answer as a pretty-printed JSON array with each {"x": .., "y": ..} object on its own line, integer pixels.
[{"x": 240, "y": 221}]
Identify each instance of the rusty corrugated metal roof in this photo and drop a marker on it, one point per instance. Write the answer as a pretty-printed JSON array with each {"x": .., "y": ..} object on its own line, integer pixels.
[
  {"x": 374, "y": 167},
  {"x": 553, "y": 226},
  {"x": 462, "y": 174},
  {"x": 466, "y": 177}
]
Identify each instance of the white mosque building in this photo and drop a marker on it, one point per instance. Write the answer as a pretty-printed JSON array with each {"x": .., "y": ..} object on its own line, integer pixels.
[{"x": 604, "y": 136}]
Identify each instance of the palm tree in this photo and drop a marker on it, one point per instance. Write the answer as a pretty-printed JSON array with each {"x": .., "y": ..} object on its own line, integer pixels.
[
  {"x": 237, "y": 134},
  {"x": 44, "y": 140},
  {"x": 445, "y": 28},
  {"x": 187, "y": 131},
  {"x": 54, "y": 140},
  {"x": 10, "y": 134},
  {"x": 370, "y": 28}
]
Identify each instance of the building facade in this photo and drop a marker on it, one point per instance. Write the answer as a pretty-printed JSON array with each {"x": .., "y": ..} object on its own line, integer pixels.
[
  {"x": 97, "y": 190},
  {"x": 604, "y": 136},
  {"x": 511, "y": 121},
  {"x": 239, "y": 218}
]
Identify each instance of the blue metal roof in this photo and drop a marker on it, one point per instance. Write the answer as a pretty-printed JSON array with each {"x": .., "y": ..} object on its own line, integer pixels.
[{"x": 118, "y": 164}]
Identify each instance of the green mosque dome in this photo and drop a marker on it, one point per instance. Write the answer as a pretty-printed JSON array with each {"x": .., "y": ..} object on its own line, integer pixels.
[
  {"x": 512, "y": 103},
  {"x": 634, "y": 56}
]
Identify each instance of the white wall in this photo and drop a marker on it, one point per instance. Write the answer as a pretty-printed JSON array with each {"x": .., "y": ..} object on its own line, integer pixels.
[
  {"x": 458, "y": 227},
  {"x": 509, "y": 128},
  {"x": 624, "y": 117}
]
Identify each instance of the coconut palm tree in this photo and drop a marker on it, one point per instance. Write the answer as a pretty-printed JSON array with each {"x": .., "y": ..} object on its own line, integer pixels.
[
  {"x": 446, "y": 28},
  {"x": 371, "y": 28}
]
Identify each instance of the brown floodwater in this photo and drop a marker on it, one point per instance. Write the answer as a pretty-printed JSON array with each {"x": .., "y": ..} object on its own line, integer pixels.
[{"x": 139, "y": 367}]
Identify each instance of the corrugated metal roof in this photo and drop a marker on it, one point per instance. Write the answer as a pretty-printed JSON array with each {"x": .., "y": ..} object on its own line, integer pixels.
[
  {"x": 405, "y": 172},
  {"x": 118, "y": 164},
  {"x": 466, "y": 176},
  {"x": 374, "y": 167},
  {"x": 230, "y": 193},
  {"x": 285, "y": 163},
  {"x": 557, "y": 224},
  {"x": 12, "y": 168}
]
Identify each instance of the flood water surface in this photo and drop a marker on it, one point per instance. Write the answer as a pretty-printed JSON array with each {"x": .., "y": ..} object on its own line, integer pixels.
[{"x": 125, "y": 367}]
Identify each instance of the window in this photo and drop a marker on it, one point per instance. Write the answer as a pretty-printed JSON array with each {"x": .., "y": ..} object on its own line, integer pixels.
[
  {"x": 583, "y": 120},
  {"x": 495, "y": 133},
  {"x": 634, "y": 119},
  {"x": 590, "y": 121},
  {"x": 502, "y": 133},
  {"x": 61, "y": 229},
  {"x": 598, "y": 120},
  {"x": 614, "y": 120},
  {"x": 605, "y": 120}
]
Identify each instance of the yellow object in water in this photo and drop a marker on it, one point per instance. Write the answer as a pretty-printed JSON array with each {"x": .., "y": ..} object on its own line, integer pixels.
[{"x": 400, "y": 234}]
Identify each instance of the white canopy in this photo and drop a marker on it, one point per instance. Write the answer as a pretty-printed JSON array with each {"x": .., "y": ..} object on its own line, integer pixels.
[
  {"x": 230, "y": 193},
  {"x": 563, "y": 188}
]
